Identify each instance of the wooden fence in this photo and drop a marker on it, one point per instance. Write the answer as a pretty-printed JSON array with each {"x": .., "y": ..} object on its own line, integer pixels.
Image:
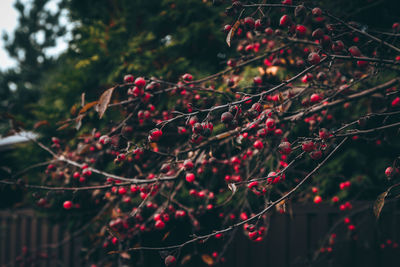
[
  {"x": 23, "y": 230},
  {"x": 291, "y": 240}
]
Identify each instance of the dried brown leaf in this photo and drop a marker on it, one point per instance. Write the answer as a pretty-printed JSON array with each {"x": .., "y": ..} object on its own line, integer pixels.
[
  {"x": 232, "y": 187},
  {"x": 231, "y": 33},
  {"x": 281, "y": 205},
  {"x": 62, "y": 127},
  {"x": 207, "y": 259},
  {"x": 82, "y": 149},
  {"x": 40, "y": 123},
  {"x": 378, "y": 205},
  {"x": 165, "y": 236},
  {"x": 83, "y": 99},
  {"x": 104, "y": 101},
  {"x": 125, "y": 255},
  {"x": 73, "y": 110},
  {"x": 186, "y": 259},
  {"x": 88, "y": 106},
  {"x": 78, "y": 121}
]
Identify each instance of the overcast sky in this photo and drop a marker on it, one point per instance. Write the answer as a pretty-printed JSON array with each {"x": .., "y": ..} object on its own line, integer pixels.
[{"x": 8, "y": 22}]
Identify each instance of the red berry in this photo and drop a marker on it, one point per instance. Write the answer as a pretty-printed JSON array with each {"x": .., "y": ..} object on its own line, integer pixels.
[
  {"x": 165, "y": 168},
  {"x": 128, "y": 78},
  {"x": 170, "y": 261},
  {"x": 180, "y": 214},
  {"x": 314, "y": 58},
  {"x": 314, "y": 190},
  {"x": 270, "y": 123},
  {"x": 188, "y": 164},
  {"x": 104, "y": 140},
  {"x": 321, "y": 76},
  {"x": 354, "y": 51},
  {"x": 253, "y": 235},
  {"x": 308, "y": 146},
  {"x": 190, "y": 177},
  {"x": 285, "y": 21},
  {"x": 323, "y": 134},
  {"x": 231, "y": 63},
  {"x": 300, "y": 10},
  {"x": 317, "y": 199},
  {"x": 258, "y": 145},
  {"x": 122, "y": 190},
  {"x": 316, "y": 155},
  {"x": 287, "y": 2},
  {"x": 338, "y": 46},
  {"x": 318, "y": 33},
  {"x": 159, "y": 225},
  {"x": 315, "y": 98},
  {"x": 301, "y": 30},
  {"x": 249, "y": 22},
  {"x": 396, "y": 26},
  {"x": 307, "y": 78},
  {"x": 335, "y": 199},
  {"x": 226, "y": 117},
  {"x": 362, "y": 63},
  {"x": 269, "y": 31},
  {"x": 258, "y": 24},
  {"x": 227, "y": 28},
  {"x": 155, "y": 135},
  {"x": 140, "y": 82},
  {"x": 187, "y": 77},
  {"x": 285, "y": 148},
  {"x": 396, "y": 102},
  {"x": 86, "y": 172},
  {"x": 389, "y": 172},
  {"x": 257, "y": 80},
  {"x": 316, "y": 12},
  {"x": 67, "y": 205}
]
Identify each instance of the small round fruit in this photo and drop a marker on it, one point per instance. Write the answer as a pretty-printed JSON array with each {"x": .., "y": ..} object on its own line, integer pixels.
[
  {"x": 140, "y": 82},
  {"x": 67, "y": 205},
  {"x": 285, "y": 21},
  {"x": 314, "y": 58},
  {"x": 190, "y": 177},
  {"x": 128, "y": 78},
  {"x": 226, "y": 117},
  {"x": 155, "y": 135},
  {"x": 317, "y": 199},
  {"x": 170, "y": 261}
]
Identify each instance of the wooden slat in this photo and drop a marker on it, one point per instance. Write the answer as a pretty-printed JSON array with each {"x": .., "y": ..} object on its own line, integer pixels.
[
  {"x": 56, "y": 257},
  {"x": 240, "y": 246},
  {"x": 77, "y": 243},
  {"x": 33, "y": 234},
  {"x": 277, "y": 237},
  {"x": 13, "y": 238},
  {"x": 298, "y": 239},
  {"x": 3, "y": 244},
  {"x": 257, "y": 252},
  {"x": 46, "y": 239},
  {"x": 67, "y": 253}
]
